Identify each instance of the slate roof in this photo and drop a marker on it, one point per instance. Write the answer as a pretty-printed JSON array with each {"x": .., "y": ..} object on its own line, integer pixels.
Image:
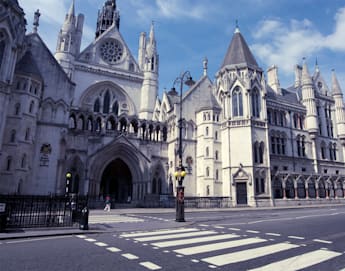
[
  {"x": 27, "y": 65},
  {"x": 239, "y": 52}
]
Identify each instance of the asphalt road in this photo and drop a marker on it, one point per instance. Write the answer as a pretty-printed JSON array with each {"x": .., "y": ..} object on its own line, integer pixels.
[{"x": 292, "y": 239}]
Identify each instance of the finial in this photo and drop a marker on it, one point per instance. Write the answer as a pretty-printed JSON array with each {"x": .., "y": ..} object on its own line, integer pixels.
[
  {"x": 36, "y": 20},
  {"x": 237, "y": 29},
  {"x": 205, "y": 62},
  {"x": 316, "y": 65}
]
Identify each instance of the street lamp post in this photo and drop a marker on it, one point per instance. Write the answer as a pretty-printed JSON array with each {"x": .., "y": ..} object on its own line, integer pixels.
[{"x": 184, "y": 78}]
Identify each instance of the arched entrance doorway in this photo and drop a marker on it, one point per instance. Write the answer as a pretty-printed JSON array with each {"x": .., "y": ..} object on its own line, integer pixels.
[{"x": 117, "y": 182}]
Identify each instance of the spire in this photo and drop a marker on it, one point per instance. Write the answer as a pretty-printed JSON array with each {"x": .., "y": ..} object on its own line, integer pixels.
[
  {"x": 36, "y": 22},
  {"x": 205, "y": 63},
  {"x": 305, "y": 74},
  {"x": 238, "y": 52},
  {"x": 152, "y": 34},
  {"x": 71, "y": 9},
  {"x": 151, "y": 45},
  {"x": 335, "y": 84},
  {"x": 317, "y": 69},
  {"x": 237, "y": 29}
]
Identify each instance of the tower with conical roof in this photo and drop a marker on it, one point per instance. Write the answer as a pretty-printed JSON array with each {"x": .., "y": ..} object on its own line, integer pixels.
[
  {"x": 150, "y": 67},
  {"x": 240, "y": 87},
  {"x": 339, "y": 108},
  {"x": 69, "y": 40}
]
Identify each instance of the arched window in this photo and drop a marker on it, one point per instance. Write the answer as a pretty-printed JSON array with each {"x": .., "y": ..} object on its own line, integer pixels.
[
  {"x": 17, "y": 109},
  {"x": 255, "y": 103},
  {"x": 261, "y": 153},
  {"x": 13, "y": 136},
  {"x": 96, "y": 106},
  {"x": 23, "y": 163},
  {"x": 217, "y": 174},
  {"x": 31, "y": 108},
  {"x": 237, "y": 104},
  {"x": 216, "y": 155},
  {"x": 216, "y": 135},
  {"x": 115, "y": 108},
  {"x": 207, "y": 172},
  {"x": 323, "y": 150},
  {"x": 106, "y": 102},
  {"x": 207, "y": 152},
  {"x": 335, "y": 151},
  {"x": 206, "y": 132}
]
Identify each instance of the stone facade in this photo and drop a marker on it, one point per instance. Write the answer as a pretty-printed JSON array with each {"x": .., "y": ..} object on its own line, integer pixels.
[{"x": 95, "y": 113}]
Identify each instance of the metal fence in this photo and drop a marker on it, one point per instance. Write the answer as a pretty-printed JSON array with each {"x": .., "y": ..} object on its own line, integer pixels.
[{"x": 42, "y": 211}]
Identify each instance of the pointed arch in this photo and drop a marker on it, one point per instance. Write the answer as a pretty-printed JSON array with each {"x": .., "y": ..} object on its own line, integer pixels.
[
  {"x": 96, "y": 106},
  {"x": 237, "y": 102},
  {"x": 255, "y": 103}
]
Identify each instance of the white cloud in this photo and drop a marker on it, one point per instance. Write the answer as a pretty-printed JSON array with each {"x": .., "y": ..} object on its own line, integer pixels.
[
  {"x": 286, "y": 44},
  {"x": 51, "y": 11}
]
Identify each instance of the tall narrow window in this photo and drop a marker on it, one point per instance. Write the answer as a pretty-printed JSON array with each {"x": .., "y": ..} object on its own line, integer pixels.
[
  {"x": 96, "y": 106},
  {"x": 23, "y": 163},
  {"x": 13, "y": 136},
  {"x": 323, "y": 150},
  {"x": 207, "y": 172},
  {"x": 206, "y": 131},
  {"x": 237, "y": 103},
  {"x": 217, "y": 174},
  {"x": 17, "y": 109},
  {"x": 273, "y": 144},
  {"x": 31, "y": 108},
  {"x": 256, "y": 152},
  {"x": 2, "y": 48},
  {"x": 261, "y": 153},
  {"x": 8, "y": 163},
  {"x": 207, "y": 152},
  {"x": 255, "y": 103},
  {"x": 27, "y": 134},
  {"x": 116, "y": 108},
  {"x": 106, "y": 102}
]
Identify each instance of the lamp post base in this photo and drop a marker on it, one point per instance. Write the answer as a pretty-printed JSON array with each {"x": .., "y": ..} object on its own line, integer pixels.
[{"x": 180, "y": 204}]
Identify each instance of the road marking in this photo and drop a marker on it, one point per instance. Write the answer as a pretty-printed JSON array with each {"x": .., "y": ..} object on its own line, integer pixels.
[
  {"x": 273, "y": 234},
  {"x": 38, "y": 239},
  {"x": 218, "y": 246},
  {"x": 250, "y": 231},
  {"x": 194, "y": 240},
  {"x": 299, "y": 262},
  {"x": 111, "y": 218},
  {"x": 218, "y": 227},
  {"x": 101, "y": 244},
  {"x": 160, "y": 232},
  {"x": 234, "y": 229},
  {"x": 173, "y": 236},
  {"x": 150, "y": 265},
  {"x": 296, "y": 237},
  {"x": 247, "y": 254},
  {"x": 90, "y": 240},
  {"x": 203, "y": 225},
  {"x": 81, "y": 236},
  {"x": 322, "y": 241},
  {"x": 113, "y": 249},
  {"x": 130, "y": 256},
  {"x": 195, "y": 261}
]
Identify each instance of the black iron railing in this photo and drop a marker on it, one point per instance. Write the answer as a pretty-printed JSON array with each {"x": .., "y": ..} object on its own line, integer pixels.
[{"x": 42, "y": 211}]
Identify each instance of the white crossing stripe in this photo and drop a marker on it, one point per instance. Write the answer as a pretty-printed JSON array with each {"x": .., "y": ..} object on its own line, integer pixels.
[
  {"x": 130, "y": 256},
  {"x": 273, "y": 234},
  {"x": 218, "y": 246},
  {"x": 90, "y": 240},
  {"x": 194, "y": 240},
  {"x": 296, "y": 237},
  {"x": 81, "y": 236},
  {"x": 234, "y": 229},
  {"x": 140, "y": 234},
  {"x": 247, "y": 254},
  {"x": 101, "y": 244},
  {"x": 250, "y": 231},
  {"x": 300, "y": 262},
  {"x": 110, "y": 218},
  {"x": 150, "y": 265},
  {"x": 173, "y": 236},
  {"x": 322, "y": 241},
  {"x": 113, "y": 249}
]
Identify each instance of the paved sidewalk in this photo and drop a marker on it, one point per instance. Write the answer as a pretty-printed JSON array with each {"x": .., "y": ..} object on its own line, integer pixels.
[{"x": 45, "y": 232}]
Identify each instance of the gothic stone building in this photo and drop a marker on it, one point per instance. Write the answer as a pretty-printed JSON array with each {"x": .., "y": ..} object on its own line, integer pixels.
[{"x": 95, "y": 113}]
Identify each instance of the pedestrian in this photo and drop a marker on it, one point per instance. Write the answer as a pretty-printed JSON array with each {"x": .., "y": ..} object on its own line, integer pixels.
[{"x": 107, "y": 204}]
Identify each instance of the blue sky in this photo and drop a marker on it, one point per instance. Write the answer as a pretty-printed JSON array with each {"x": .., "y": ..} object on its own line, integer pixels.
[{"x": 278, "y": 32}]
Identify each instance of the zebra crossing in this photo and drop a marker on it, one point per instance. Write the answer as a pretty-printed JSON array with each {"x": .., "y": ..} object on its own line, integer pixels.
[
  {"x": 222, "y": 249},
  {"x": 112, "y": 218}
]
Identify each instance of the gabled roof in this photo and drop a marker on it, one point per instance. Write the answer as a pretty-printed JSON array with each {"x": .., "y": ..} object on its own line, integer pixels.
[{"x": 239, "y": 52}]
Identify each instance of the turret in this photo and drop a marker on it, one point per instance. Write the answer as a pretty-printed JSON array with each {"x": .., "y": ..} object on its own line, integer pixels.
[
  {"x": 142, "y": 50},
  {"x": 149, "y": 89},
  {"x": 298, "y": 75},
  {"x": 272, "y": 79},
  {"x": 107, "y": 17},
  {"x": 69, "y": 40},
  {"x": 308, "y": 100},
  {"x": 339, "y": 107}
]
